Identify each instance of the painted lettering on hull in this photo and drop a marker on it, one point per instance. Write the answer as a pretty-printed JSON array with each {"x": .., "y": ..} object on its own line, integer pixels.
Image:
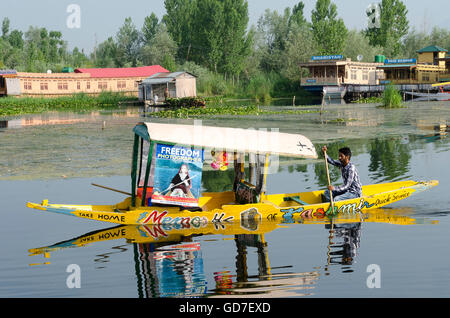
[
  {"x": 289, "y": 214},
  {"x": 111, "y": 218},
  {"x": 162, "y": 218}
]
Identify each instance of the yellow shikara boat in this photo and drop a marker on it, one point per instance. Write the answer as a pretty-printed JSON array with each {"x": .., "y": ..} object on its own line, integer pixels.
[{"x": 247, "y": 202}]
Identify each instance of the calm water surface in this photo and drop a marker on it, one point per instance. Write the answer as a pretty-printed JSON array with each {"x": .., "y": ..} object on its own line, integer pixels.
[{"x": 58, "y": 156}]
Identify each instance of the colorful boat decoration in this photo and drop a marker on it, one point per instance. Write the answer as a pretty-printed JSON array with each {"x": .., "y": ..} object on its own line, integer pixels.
[{"x": 160, "y": 152}]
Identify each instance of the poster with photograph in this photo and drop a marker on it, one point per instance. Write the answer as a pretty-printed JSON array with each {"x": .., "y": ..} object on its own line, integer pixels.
[{"x": 178, "y": 175}]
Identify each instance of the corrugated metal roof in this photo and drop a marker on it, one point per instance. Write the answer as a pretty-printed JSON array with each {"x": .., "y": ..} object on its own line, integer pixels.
[
  {"x": 143, "y": 71},
  {"x": 157, "y": 80},
  {"x": 164, "y": 77}
]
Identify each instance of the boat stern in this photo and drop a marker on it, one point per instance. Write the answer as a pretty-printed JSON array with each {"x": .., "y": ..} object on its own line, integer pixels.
[{"x": 99, "y": 213}]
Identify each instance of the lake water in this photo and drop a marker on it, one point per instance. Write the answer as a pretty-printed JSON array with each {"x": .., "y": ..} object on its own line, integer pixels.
[{"x": 399, "y": 251}]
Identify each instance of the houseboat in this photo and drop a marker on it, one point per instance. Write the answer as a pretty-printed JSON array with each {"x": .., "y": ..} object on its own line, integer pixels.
[{"x": 330, "y": 75}]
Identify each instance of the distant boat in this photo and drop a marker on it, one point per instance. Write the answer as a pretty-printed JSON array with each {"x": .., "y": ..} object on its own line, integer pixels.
[
  {"x": 334, "y": 92},
  {"x": 431, "y": 96},
  {"x": 441, "y": 95}
]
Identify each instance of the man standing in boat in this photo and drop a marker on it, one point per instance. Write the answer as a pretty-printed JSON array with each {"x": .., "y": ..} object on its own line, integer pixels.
[{"x": 352, "y": 187}]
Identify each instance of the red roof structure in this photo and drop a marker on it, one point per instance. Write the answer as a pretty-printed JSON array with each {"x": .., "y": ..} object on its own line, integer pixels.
[{"x": 142, "y": 71}]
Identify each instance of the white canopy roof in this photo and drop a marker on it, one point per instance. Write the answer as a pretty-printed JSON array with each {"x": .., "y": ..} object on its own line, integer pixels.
[{"x": 233, "y": 139}]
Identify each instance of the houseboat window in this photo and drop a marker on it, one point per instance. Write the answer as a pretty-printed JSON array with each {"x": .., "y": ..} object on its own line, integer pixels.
[
  {"x": 121, "y": 84},
  {"x": 354, "y": 75},
  {"x": 78, "y": 85},
  {"x": 27, "y": 85},
  {"x": 88, "y": 85},
  {"x": 44, "y": 86},
  {"x": 102, "y": 85},
  {"x": 63, "y": 86},
  {"x": 365, "y": 75}
]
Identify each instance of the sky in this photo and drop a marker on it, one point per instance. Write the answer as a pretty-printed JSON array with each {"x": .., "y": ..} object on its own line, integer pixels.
[{"x": 101, "y": 19}]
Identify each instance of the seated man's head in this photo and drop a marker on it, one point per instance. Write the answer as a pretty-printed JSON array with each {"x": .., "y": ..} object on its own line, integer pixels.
[{"x": 344, "y": 155}]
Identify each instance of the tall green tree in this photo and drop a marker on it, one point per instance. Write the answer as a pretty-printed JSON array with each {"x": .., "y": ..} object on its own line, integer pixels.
[
  {"x": 15, "y": 38},
  {"x": 300, "y": 46},
  {"x": 235, "y": 40},
  {"x": 149, "y": 28},
  {"x": 207, "y": 27},
  {"x": 55, "y": 44},
  {"x": 78, "y": 58},
  {"x": 297, "y": 15},
  {"x": 329, "y": 31},
  {"x": 391, "y": 29},
  {"x": 106, "y": 54},
  {"x": 212, "y": 33},
  {"x": 273, "y": 28},
  {"x": 5, "y": 27},
  {"x": 282, "y": 40},
  {"x": 179, "y": 19},
  {"x": 128, "y": 44},
  {"x": 161, "y": 49}
]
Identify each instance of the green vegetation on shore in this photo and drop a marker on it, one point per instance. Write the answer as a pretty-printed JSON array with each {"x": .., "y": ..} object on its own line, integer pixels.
[{"x": 10, "y": 106}]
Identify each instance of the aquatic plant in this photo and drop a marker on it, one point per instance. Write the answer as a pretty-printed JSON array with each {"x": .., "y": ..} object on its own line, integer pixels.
[
  {"x": 186, "y": 102},
  {"x": 392, "y": 97},
  {"x": 78, "y": 102},
  {"x": 369, "y": 100},
  {"x": 251, "y": 110}
]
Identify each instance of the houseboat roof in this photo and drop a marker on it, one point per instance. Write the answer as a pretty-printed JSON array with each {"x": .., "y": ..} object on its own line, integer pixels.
[
  {"x": 164, "y": 77},
  {"x": 432, "y": 48},
  {"x": 142, "y": 71}
]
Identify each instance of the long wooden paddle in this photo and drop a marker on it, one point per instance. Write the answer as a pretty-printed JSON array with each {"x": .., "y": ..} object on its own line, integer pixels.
[
  {"x": 108, "y": 188},
  {"x": 329, "y": 182}
]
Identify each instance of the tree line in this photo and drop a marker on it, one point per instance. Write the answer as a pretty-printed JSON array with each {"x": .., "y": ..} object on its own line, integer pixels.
[{"x": 213, "y": 40}]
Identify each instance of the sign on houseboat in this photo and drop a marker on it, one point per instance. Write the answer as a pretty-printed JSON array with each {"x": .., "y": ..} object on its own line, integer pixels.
[
  {"x": 400, "y": 61},
  {"x": 327, "y": 57}
]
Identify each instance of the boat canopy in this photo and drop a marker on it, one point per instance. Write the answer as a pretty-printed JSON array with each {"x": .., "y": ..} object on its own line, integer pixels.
[{"x": 229, "y": 139}]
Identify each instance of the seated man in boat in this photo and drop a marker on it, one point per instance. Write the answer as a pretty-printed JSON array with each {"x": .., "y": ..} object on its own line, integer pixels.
[{"x": 352, "y": 187}]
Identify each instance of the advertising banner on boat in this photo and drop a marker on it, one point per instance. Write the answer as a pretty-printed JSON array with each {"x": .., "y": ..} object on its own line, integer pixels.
[{"x": 178, "y": 175}]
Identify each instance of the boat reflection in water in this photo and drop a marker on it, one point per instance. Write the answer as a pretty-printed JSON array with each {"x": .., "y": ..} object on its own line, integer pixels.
[{"x": 169, "y": 261}]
